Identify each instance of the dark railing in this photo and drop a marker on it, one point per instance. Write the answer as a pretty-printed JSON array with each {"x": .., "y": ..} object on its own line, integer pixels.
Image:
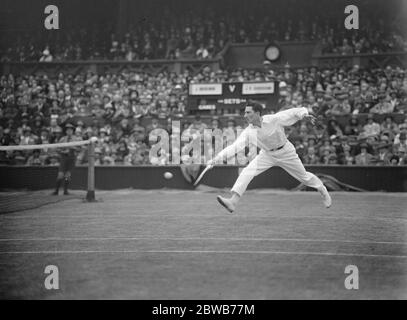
[
  {"x": 371, "y": 178},
  {"x": 101, "y": 66},
  {"x": 377, "y": 60},
  {"x": 296, "y": 54}
]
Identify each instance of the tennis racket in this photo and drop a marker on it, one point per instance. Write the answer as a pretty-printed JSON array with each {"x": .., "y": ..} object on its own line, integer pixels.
[{"x": 202, "y": 174}]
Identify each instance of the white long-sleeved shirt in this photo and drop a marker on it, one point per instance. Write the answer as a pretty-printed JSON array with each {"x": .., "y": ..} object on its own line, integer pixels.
[{"x": 269, "y": 136}]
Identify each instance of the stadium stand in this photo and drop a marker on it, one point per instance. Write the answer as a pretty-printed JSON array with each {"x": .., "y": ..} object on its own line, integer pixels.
[{"x": 361, "y": 109}]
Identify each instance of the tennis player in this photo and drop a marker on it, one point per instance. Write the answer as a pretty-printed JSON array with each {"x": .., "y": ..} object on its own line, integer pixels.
[{"x": 267, "y": 132}]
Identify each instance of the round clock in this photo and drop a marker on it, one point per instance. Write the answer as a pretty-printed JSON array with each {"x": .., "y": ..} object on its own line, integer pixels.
[{"x": 272, "y": 52}]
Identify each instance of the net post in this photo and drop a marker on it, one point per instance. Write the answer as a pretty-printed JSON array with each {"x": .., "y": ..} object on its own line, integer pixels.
[{"x": 90, "y": 195}]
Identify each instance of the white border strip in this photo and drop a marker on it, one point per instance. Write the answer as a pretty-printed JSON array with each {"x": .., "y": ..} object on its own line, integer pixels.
[
  {"x": 200, "y": 239},
  {"x": 209, "y": 252}
]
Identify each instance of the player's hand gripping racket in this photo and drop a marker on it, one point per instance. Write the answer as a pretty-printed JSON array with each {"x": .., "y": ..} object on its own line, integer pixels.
[{"x": 208, "y": 167}]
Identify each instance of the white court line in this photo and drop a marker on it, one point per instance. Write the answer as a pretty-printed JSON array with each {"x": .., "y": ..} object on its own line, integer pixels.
[
  {"x": 199, "y": 239},
  {"x": 174, "y": 216},
  {"x": 209, "y": 252}
]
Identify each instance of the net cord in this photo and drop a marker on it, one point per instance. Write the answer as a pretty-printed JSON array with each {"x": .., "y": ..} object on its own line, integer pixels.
[{"x": 45, "y": 146}]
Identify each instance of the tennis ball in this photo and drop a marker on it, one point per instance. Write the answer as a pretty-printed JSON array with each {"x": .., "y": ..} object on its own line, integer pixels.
[{"x": 168, "y": 175}]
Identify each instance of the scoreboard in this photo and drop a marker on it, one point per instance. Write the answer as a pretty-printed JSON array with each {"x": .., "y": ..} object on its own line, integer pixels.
[{"x": 204, "y": 97}]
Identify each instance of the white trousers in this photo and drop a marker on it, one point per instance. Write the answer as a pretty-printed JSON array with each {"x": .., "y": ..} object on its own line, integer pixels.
[{"x": 286, "y": 158}]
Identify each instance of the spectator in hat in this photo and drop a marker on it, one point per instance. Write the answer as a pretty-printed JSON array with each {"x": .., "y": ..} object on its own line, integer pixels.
[
  {"x": 198, "y": 125},
  {"x": 46, "y": 56},
  {"x": 121, "y": 152},
  {"x": 103, "y": 137},
  {"x": 358, "y": 107},
  {"x": 40, "y": 105},
  {"x": 109, "y": 157},
  {"x": 152, "y": 109},
  {"x": 342, "y": 146},
  {"x": 202, "y": 52},
  {"x": 311, "y": 157},
  {"x": 139, "y": 131},
  {"x": 109, "y": 111},
  {"x": 400, "y": 141},
  {"x": 79, "y": 132},
  {"x": 28, "y": 137},
  {"x": 384, "y": 138},
  {"x": 394, "y": 160},
  {"x": 54, "y": 125},
  {"x": 371, "y": 142},
  {"x": 326, "y": 145},
  {"x": 56, "y": 134},
  {"x": 342, "y": 106},
  {"x": 138, "y": 109},
  {"x": 98, "y": 157},
  {"x": 83, "y": 108},
  {"x": 164, "y": 110},
  {"x": 371, "y": 128},
  {"x": 38, "y": 125},
  {"x": 347, "y": 158},
  {"x": 141, "y": 157},
  {"x": 363, "y": 158},
  {"x": 402, "y": 154},
  {"x": 394, "y": 101},
  {"x": 54, "y": 110},
  {"x": 384, "y": 155},
  {"x": 311, "y": 141},
  {"x": 215, "y": 124},
  {"x": 44, "y": 137},
  {"x": 353, "y": 127},
  {"x": 35, "y": 159},
  {"x": 325, "y": 156},
  {"x": 333, "y": 159},
  {"x": 384, "y": 106},
  {"x": 334, "y": 128},
  {"x": 388, "y": 125}
]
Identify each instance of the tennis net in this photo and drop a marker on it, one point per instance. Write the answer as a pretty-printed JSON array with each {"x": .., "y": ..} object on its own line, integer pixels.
[{"x": 38, "y": 156}]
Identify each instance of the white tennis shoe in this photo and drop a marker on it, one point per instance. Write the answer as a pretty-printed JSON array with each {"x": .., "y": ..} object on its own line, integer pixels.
[
  {"x": 326, "y": 198},
  {"x": 227, "y": 203}
]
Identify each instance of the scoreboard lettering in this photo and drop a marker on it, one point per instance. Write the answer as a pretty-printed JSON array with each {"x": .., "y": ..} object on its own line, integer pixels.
[
  {"x": 258, "y": 88},
  {"x": 230, "y": 96},
  {"x": 205, "y": 89}
]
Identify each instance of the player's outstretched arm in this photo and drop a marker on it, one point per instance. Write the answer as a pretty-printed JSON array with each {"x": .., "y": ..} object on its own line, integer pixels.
[{"x": 291, "y": 116}]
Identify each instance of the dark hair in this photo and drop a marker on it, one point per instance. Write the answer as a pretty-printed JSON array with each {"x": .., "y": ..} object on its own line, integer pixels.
[{"x": 256, "y": 106}]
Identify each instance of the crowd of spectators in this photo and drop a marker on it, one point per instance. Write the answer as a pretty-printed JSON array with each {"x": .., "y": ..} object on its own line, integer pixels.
[
  {"x": 185, "y": 31},
  {"x": 122, "y": 109}
]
